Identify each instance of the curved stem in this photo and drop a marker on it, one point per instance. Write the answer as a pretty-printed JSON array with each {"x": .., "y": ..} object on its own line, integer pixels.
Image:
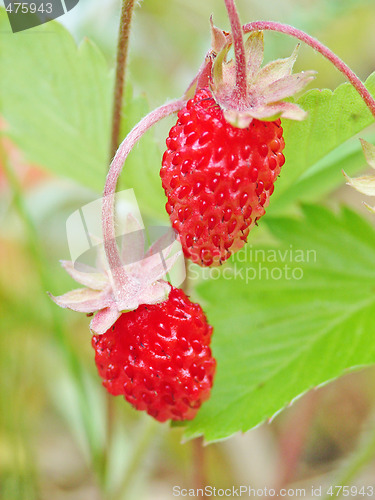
[
  {"x": 199, "y": 464},
  {"x": 122, "y": 57},
  {"x": 293, "y": 437},
  {"x": 239, "y": 49},
  {"x": 322, "y": 49},
  {"x": 127, "y": 10},
  {"x": 126, "y": 146}
]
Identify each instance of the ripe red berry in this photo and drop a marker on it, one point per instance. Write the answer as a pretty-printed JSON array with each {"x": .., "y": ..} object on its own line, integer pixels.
[
  {"x": 158, "y": 357},
  {"x": 218, "y": 178}
]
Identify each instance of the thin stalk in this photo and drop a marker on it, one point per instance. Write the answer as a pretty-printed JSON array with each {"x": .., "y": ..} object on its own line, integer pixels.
[
  {"x": 199, "y": 465},
  {"x": 293, "y": 437},
  {"x": 322, "y": 49},
  {"x": 39, "y": 260},
  {"x": 109, "y": 236},
  {"x": 127, "y": 10},
  {"x": 110, "y": 418},
  {"x": 122, "y": 57},
  {"x": 239, "y": 49}
]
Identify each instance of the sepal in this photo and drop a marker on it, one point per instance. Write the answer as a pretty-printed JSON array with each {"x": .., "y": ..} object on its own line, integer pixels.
[
  {"x": 365, "y": 184},
  {"x": 218, "y": 38},
  {"x": 267, "y": 87},
  {"x": 83, "y": 300},
  {"x": 144, "y": 280},
  {"x": 104, "y": 319}
]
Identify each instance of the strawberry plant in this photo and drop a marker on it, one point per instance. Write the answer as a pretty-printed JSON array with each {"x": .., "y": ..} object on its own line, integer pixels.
[{"x": 279, "y": 291}]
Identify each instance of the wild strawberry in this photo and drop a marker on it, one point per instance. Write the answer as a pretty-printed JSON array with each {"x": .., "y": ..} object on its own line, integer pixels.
[
  {"x": 222, "y": 160},
  {"x": 151, "y": 342},
  {"x": 218, "y": 178},
  {"x": 158, "y": 357}
]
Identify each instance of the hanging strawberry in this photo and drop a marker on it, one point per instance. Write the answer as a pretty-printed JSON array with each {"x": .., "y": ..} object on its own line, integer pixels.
[{"x": 225, "y": 151}]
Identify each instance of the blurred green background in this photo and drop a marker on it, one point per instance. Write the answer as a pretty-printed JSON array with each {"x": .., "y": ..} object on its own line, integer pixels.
[{"x": 55, "y": 422}]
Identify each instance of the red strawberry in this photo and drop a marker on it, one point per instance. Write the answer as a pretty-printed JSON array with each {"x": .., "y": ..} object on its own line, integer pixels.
[
  {"x": 157, "y": 353},
  {"x": 218, "y": 178},
  {"x": 158, "y": 357},
  {"x": 225, "y": 151}
]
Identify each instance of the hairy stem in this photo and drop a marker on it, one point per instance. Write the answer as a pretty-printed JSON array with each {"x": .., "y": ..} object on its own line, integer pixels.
[
  {"x": 199, "y": 465},
  {"x": 322, "y": 49},
  {"x": 294, "y": 435},
  {"x": 122, "y": 57},
  {"x": 126, "y": 146},
  {"x": 239, "y": 49},
  {"x": 121, "y": 63}
]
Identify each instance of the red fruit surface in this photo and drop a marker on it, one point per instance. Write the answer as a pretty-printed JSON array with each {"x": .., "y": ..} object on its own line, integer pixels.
[
  {"x": 218, "y": 178},
  {"x": 158, "y": 357}
]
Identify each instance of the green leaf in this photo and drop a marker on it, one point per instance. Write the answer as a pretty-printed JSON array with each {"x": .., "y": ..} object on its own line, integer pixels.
[
  {"x": 285, "y": 330},
  {"x": 56, "y": 99},
  {"x": 323, "y": 177},
  {"x": 333, "y": 118}
]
